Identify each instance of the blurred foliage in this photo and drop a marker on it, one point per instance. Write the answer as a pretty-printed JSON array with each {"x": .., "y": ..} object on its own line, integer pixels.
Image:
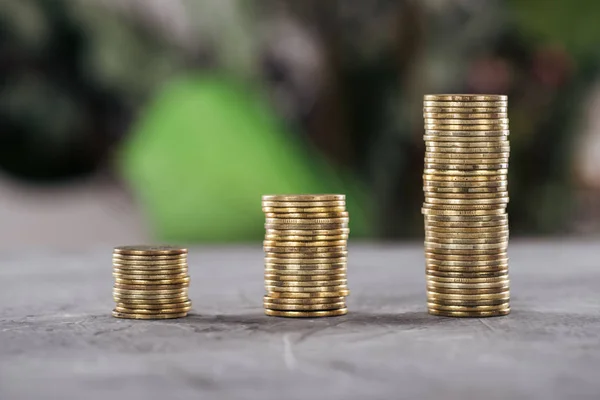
[{"x": 346, "y": 77}]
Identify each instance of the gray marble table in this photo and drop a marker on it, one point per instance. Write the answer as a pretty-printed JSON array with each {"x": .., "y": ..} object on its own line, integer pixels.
[{"x": 58, "y": 340}]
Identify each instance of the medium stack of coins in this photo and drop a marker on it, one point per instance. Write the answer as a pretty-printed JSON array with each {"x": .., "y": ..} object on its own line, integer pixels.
[
  {"x": 151, "y": 282},
  {"x": 306, "y": 255},
  {"x": 466, "y": 224}
]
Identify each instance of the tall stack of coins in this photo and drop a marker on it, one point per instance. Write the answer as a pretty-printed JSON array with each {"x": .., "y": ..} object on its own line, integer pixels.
[
  {"x": 466, "y": 224},
  {"x": 305, "y": 255},
  {"x": 151, "y": 282}
]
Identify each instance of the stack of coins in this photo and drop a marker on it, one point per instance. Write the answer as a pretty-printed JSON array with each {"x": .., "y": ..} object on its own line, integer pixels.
[
  {"x": 151, "y": 282},
  {"x": 466, "y": 224},
  {"x": 306, "y": 255}
]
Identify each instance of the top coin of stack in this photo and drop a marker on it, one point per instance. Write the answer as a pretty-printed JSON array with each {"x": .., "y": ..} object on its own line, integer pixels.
[
  {"x": 465, "y": 185},
  {"x": 151, "y": 282},
  {"x": 305, "y": 255}
]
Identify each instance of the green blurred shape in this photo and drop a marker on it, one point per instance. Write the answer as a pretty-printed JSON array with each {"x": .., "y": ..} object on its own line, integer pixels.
[{"x": 205, "y": 151}]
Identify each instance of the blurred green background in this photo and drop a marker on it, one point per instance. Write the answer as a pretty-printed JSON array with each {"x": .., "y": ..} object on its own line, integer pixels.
[{"x": 189, "y": 110}]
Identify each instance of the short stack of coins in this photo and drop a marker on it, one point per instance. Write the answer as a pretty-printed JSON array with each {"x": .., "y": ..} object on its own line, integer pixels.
[
  {"x": 466, "y": 224},
  {"x": 151, "y": 282},
  {"x": 305, "y": 255}
]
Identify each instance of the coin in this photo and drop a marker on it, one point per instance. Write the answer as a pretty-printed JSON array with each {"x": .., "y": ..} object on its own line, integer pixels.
[
  {"x": 460, "y": 168},
  {"x": 302, "y": 232},
  {"x": 304, "y": 307},
  {"x": 476, "y": 314},
  {"x": 482, "y": 127},
  {"x": 465, "y": 97},
  {"x": 149, "y": 264},
  {"x": 466, "y": 121},
  {"x": 463, "y": 206},
  {"x": 304, "y": 278},
  {"x": 466, "y": 241},
  {"x": 150, "y": 296},
  {"x": 154, "y": 287},
  {"x": 462, "y": 236},
  {"x": 467, "y": 157},
  {"x": 117, "y": 314},
  {"x": 465, "y": 274},
  {"x": 306, "y": 262},
  {"x": 307, "y": 239},
  {"x": 431, "y": 211},
  {"x": 305, "y": 273},
  {"x": 305, "y": 197},
  {"x": 153, "y": 281},
  {"x": 153, "y": 311},
  {"x": 152, "y": 301},
  {"x": 459, "y": 104},
  {"x": 145, "y": 250},
  {"x": 464, "y": 110},
  {"x": 150, "y": 277},
  {"x": 309, "y": 295},
  {"x": 446, "y": 185},
  {"x": 493, "y": 307},
  {"x": 499, "y": 174},
  {"x": 307, "y": 301},
  {"x": 126, "y": 304},
  {"x": 171, "y": 292},
  {"x": 474, "y": 202},
  {"x": 472, "y": 286},
  {"x": 304, "y": 249},
  {"x": 494, "y": 279},
  {"x": 434, "y": 159},
  {"x": 327, "y": 211},
  {"x": 306, "y": 284},
  {"x": 276, "y": 257},
  {"x": 307, "y": 289},
  {"x": 303, "y": 204},
  {"x": 458, "y": 221},
  {"x": 472, "y": 198},
  {"x": 462, "y": 178},
  {"x": 480, "y": 138},
  {"x": 329, "y": 243},
  {"x": 158, "y": 272},
  {"x": 443, "y": 116},
  {"x": 434, "y": 296},
  {"x": 461, "y": 257},
  {"x": 309, "y": 227},
  {"x": 305, "y": 267},
  {"x": 306, "y": 221},
  {"x": 306, "y": 314}
]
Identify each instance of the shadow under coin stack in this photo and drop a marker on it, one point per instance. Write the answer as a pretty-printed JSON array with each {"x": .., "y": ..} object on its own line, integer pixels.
[
  {"x": 466, "y": 224},
  {"x": 151, "y": 282},
  {"x": 305, "y": 255}
]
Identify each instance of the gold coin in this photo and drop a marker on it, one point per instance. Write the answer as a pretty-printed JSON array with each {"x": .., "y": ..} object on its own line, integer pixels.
[
  {"x": 443, "y": 177},
  {"x": 153, "y": 311},
  {"x": 492, "y": 307},
  {"x": 304, "y": 204},
  {"x": 465, "y": 207},
  {"x": 465, "y": 246},
  {"x": 154, "y": 287},
  {"x": 152, "y": 301},
  {"x": 309, "y": 295},
  {"x": 306, "y": 221},
  {"x": 149, "y": 264},
  {"x": 149, "y": 277},
  {"x": 153, "y": 281},
  {"x": 467, "y": 157},
  {"x": 173, "y": 292},
  {"x": 465, "y": 187},
  {"x": 467, "y": 226},
  {"x": 305, "y": 289},
  {"x": 335, "y": 216},
  {"x": 464, "y": 167},
  {"x": 444, "y": 201},
  {"x": 466, "y": 241},
  {"x": 304, "y": 307},
  {"x": 451, "y": 229},
  {"x": 468, "y": 197},
  {"x": 145, "y": 250},
  {"x": 308, "y": 227},
  {"x": 276, "y": 257},
  {"x": 442, "y": 148},
  {"x": 464, "y": 110},
  {"x": 429, "y": 159},
  {"x": 306, "y": 239},
  {"x": 466, "y": 236},
  {"x": 482, "y": 127},
  {"x": 304, "y": 278},
  {"x": 169, "y": 258},
  {"x": 306, "y": 273},
  {"x": 305, "y": 267},
  {"x": 465, "y": 192},
  {"x": 487, "y": 252},
  {"x": 158, "y": 272},
  {"x": 492, "y": 279},
  {"x": 465, "y": 121},
  {"x": 465, "y": 104},
  {"x": 499, "y": 174},
  {"x": 465, "y": 291},
  {"x": 117, "y": 314},
  {"x": 436, "y": 297},
  {"x": 327, "y": 211},
  {"x": 306, "y": 314},
  {"x": 331, "y": 243},
  {"x": 453, "y": 115},
  {"x": 432, "y": 284},
  {"x": 305, "y": 197},
  {"x": 463, "y": 258},
  {"x": 465, "y": 221},
  {"x": 465, "y": 97},
  {"x": 466, "y": 275},
  {"x": 459, "y": 138},
  {"x": 303, "y": 250},
  {"x": 430, "y": 211},
  {"x": 306, "y": 301},
  {"x": 475, "y": 314},
  {"x": 154, "y": 306},
  {"x": 305, "y": 262},
  {"x": 133, "y": 296},
  {"x": 324, "y": 232},
  {"x": 449, "y": 265},
  {"x": 305, "y": 284}
]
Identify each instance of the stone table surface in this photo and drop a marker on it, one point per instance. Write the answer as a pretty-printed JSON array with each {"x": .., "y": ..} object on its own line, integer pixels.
[{"x": 58, "y": 340}]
